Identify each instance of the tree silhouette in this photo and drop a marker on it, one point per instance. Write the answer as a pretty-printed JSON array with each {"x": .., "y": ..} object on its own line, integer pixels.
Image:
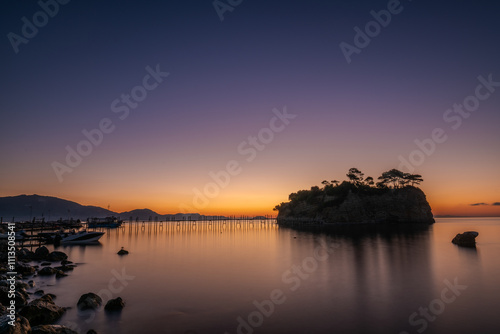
[
  {"x": 355, "y": 176},
  {"x": 369, "y": 181},
  {"x": 393, "y": 177},
  {"x": 279, "y": 206},
  {"x": 413, "y": 178}
]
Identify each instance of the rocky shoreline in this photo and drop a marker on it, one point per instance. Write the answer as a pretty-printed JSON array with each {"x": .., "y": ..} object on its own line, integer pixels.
[{"x": 24, "y": 311}]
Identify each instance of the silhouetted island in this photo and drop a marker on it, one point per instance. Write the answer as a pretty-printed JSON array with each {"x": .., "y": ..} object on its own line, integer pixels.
[{"x": 394, "y": 199}]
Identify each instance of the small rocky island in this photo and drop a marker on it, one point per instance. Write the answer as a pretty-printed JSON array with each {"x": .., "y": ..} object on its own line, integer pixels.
[{"x": 359, "y": 200}]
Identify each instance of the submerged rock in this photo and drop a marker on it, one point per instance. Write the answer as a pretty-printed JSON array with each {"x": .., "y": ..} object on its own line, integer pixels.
[
  {"x": 114, "y": 304},
  {"x": 20, "y": 296},
  {"x": 57, "y": 256},
  {"x": 25, "y": 269},
  {"x": 20, "y": 285},
  {"x": 89, "y": 301},
  {"x": 42, "y": 311},
  {"x": 21, "y": 325},
  {"x": 91, "y": 331},
  {"x": 47, "y": 271},
  {"x": 466, "y": 239},
  {"x": 52, "y": 329},
  {"x": 51, "y": 295},
  {"x": 41, "y": 253},
  {"x": 60, "y": 273},
  {"x": 66, "y": 267},
  {"x": 122, "y": 252},
  {"x": 25, "y": 254}
]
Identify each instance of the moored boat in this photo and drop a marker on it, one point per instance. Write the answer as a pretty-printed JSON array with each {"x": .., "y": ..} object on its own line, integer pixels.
[{"x": 81, "y": 237}]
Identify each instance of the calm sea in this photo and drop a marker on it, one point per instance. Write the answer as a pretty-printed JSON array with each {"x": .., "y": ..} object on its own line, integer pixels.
[{"x": 256, "y": 277}]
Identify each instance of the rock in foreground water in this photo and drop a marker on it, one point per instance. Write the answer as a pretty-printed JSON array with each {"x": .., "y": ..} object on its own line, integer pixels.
[
  {"x": 56, "y": 256},
  {"x": 466, "y": 239},
  {"x": 122, "y": 252},
  {"x": 25, "y": 254},
  {"x": 41, "y": 253},
  {"x": 89, "y": 301},
  {"x": 20, "y": 296},
  {"x": 47, "y": 271},
  {"x": 52, "y": 329},
  {"x": 25, "y": 269},
  {"x": 21, "y": 325},
  {"x": 42, "y": 311},
  {"x": 114, "y": 304}
]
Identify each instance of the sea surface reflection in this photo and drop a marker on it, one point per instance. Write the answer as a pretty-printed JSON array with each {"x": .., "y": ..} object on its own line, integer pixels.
[{"x": 257, "y": 277}]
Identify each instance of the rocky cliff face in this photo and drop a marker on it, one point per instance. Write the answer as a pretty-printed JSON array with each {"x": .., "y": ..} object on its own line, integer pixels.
[{"x": 405, "y": 205}]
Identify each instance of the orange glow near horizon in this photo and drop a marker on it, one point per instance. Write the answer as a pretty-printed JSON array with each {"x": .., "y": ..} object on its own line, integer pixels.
[
  {"x": 255, "y": 205},
  {"x": 259, "y": 188},
  {"x": 484, "y": 210}
]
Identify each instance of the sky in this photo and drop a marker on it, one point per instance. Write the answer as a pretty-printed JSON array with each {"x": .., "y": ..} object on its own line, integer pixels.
[{"x": 226, "y": 107}]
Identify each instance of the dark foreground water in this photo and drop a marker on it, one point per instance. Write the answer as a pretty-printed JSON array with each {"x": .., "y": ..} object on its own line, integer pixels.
[{"x": 253, "y": 277}]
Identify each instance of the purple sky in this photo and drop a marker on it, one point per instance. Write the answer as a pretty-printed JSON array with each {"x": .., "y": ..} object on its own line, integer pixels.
[{"x": 225, "y": 78}]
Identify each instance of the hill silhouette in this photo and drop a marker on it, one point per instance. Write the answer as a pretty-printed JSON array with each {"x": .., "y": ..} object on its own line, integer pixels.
[
  {"x": 27, "y": 207},
  {"x": 24, "y": 207},
  {"x": 142, "y": 214}
]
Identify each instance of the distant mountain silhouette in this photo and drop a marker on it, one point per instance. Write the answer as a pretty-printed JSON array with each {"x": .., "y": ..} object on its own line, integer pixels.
[
  {"x": 51, "y": 208},
  {"x": 142, "y": 214},
  {"x": 26, "y": 207}
]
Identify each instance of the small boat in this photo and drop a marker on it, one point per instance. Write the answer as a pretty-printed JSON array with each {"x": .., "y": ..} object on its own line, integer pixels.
[
  {"x": 82, "y": 237},
  {"x": 111, "y": 222}
]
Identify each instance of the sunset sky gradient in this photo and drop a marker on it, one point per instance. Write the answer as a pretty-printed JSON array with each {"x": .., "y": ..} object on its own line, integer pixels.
[{"x": 225, "y": 79}]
